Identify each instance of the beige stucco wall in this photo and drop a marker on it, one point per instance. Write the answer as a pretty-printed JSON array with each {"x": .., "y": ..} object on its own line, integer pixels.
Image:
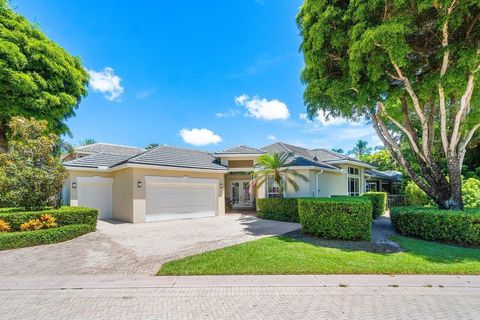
[
  {"x": 330, "y": 183},
  {"x": 122, "y": 198},
  {"x": 306, "y": 188}
]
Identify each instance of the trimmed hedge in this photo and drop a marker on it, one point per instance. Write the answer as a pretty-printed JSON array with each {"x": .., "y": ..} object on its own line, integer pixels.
[
  {"x": 345, "y": 218},
  {"x": 462, "y": 227},
  {"x": 64, "y": 216},
  {"x": 280, "y": 209},
  {"x": 379, "y": 202},
  {"x": 13, "y": 240}
]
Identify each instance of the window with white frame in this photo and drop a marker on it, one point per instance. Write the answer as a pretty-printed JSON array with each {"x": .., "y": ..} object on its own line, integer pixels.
[
  {"x": 353, "y": 181},
  {"x": 273, "y": 189}
]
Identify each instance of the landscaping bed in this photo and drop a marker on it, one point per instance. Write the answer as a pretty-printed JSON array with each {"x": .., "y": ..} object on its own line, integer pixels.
[
  {"x": 28, "y": 228},
  {"x": 461, "y": 227}
]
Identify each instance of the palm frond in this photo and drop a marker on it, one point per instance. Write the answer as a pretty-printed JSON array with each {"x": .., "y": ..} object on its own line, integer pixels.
[{"x": 293, "y": 183}]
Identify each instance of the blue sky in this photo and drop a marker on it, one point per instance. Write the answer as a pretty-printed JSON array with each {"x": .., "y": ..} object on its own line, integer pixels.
[{"x": 204, "y": 74}]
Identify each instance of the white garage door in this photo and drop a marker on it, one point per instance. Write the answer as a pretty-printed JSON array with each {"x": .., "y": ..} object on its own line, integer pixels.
[
  {"x": 96, "y": 192},
  {"x": 177, "y": 198}
]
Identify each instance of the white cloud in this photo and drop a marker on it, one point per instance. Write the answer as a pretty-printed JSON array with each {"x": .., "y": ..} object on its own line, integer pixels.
[
  {"x": 106, "y": 82},
  {"x": 229, "y": 113},
  {"x": 199, "y": 137},
  {"x": 240, "y": 100},
  {"x": 262, "y": 108},
  {"x": 271, "y": 137}
]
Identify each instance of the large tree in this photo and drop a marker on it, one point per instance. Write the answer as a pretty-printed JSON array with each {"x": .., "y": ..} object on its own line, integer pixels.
[
  {"x": 411, "y": 67},
  {"x": 37, "y": 77}
]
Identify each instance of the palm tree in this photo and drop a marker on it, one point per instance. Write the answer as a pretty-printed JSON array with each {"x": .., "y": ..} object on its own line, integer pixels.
[
  {"x": 361, "y": 148},
  {"x": 86, "y": 142},
  {"x": 275, "y": 166},
  {"x": 151, "y": 146}
]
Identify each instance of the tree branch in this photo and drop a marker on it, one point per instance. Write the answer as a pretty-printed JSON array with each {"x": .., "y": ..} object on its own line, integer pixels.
[
  {"x": 409, "y": 134},
  {"x": 390, "y": 143},
  {"x": 462, "y": 112}
]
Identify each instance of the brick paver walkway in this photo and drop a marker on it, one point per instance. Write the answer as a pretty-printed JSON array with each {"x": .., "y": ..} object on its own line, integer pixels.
[
  {"x": 124, "y": 248},
  {"x": 249, "y": 300}
]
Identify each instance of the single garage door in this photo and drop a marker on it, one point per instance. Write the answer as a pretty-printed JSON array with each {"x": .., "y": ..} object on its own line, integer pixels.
[
  {"x": 179, "y": 198},
  {"x": 96, "y": 192}
]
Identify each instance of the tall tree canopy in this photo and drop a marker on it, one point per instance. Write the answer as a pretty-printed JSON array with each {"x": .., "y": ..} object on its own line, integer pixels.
[
  {"x": 37, "y": 77},
  {"x": 411, "y": 67}
]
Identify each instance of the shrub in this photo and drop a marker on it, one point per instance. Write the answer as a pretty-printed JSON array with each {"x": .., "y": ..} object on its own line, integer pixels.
[
  {"x": 471, "y": 193},
  {"x": 30, "y": 176},
  {"x": 337, "y": 218},
  {"x": 280, "y": 209},
  {"x": 462, "y": 227},
  {"x": 64, "y": 216},
  {"x": 34, "y": 224},
  {"x": 46, "y": 221},
  {"x": 4, "y": 226},
  {"x": 415, "y": 195},
  {"x": 12, "y": 240},
  {"x": 379, "y": 202}
]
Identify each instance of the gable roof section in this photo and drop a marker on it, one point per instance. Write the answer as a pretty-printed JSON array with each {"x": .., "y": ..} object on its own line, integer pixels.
[
  {"x": 330, "y": 156},
  {"x": 240, "y": 150},
  {"x": 177, "y": 157},
  {"x": 299, "y": 156},
  {"x": 97, "y": 160},
  {"x": 108, "y": 148}
]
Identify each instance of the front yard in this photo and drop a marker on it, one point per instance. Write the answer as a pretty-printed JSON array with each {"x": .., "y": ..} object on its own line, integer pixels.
[{"x": 286, "y": 255}]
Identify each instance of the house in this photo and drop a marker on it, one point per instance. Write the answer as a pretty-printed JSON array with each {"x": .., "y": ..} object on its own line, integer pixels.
[{"x": 136, "y": 185}]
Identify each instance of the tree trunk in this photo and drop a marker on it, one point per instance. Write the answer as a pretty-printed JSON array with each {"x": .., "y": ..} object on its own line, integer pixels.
[
  {"x": 3, "y": 137},
  {"x": 453, "y": 200}
]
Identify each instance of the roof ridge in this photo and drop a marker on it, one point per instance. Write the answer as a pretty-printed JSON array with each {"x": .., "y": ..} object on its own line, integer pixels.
[
  {"x": 110, "y": 144},
  {"x": 238, "y": 146}
]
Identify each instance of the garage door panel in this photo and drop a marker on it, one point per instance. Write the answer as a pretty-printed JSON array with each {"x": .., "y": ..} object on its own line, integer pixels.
[
  {"x": 96, "y": 195},
  {"x": 180, "y": 199}
]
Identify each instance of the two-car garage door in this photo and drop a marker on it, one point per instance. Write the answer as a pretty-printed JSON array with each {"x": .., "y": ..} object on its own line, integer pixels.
[{"x": 180, "y": 197}]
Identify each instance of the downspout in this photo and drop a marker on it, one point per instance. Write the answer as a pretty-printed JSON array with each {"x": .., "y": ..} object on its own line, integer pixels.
[{"x": 317, "y": 184}]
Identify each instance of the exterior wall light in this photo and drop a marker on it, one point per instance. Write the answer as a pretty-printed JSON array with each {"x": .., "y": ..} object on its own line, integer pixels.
[
  {"x": 221, "y": 185},
  {"x": 74, "y": 185},
  {"x": 139, "y": 184}
]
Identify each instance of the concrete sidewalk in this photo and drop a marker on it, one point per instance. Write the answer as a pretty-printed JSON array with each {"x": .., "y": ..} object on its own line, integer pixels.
[
  {"x": 119, "y": 281},
  {"x": 344, "y": 297}
]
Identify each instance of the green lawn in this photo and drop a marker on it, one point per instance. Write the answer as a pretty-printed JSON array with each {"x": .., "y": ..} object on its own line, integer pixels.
[{"x": 283, "y": 255}]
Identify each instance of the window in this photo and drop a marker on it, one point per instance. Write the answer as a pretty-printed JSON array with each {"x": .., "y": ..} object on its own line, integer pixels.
[
  {"x": 371, "y": 186},
  {"x": 353, "y": 186},
  {"x": 353, "y": 171},
  {"x": 273, "y": 189},
  {"x": 353, "y": 181}
]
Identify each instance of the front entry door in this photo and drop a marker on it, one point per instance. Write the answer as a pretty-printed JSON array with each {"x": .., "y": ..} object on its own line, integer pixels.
[{"x": 240, "y": 194}]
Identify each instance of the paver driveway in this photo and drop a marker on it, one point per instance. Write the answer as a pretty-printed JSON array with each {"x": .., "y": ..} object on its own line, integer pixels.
[{"x": 122, "y": 248}]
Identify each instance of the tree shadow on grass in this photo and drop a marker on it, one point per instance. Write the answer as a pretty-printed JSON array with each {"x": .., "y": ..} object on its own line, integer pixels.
[
  {"x": 427, "y": 250},
  {"x": 368, "y": 246},
  {"x": 438, "y": 252}
]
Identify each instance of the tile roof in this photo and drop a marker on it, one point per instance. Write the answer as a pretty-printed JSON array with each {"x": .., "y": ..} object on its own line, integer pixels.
[
  {"x": 97, "y": 160},
  {"x": 101, "y": 147},
  {"x": 299, "y": 156},
  {"x": 240, "y": 150},
  {"x": 386, "y": 175},
  {"x": 178, "y": 157},
  {"x": 329, "y": 155}
]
